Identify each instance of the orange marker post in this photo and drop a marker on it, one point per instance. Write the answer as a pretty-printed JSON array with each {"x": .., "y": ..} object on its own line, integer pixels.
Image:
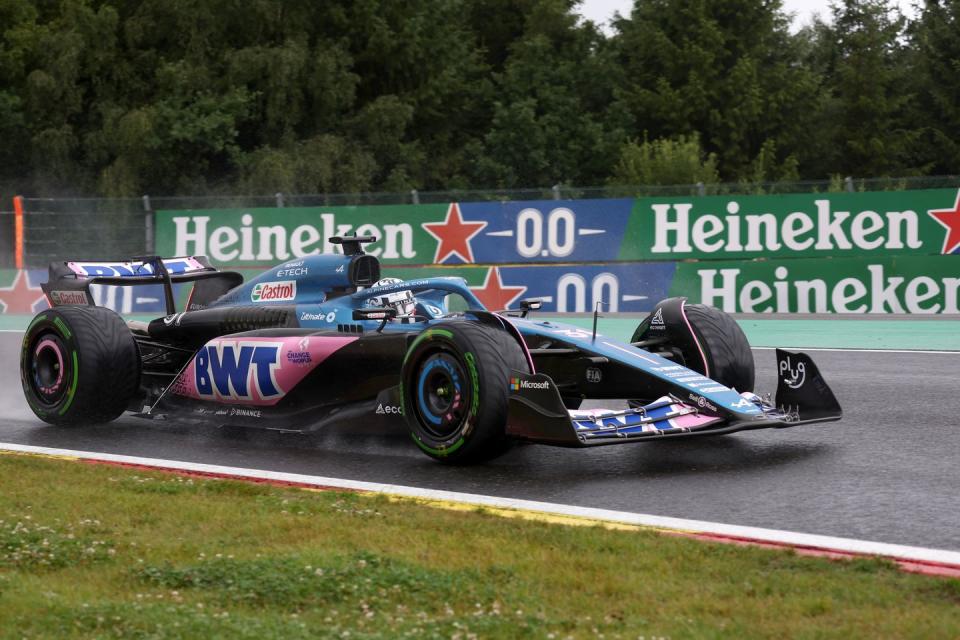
[{"x": 18, "y": 231}]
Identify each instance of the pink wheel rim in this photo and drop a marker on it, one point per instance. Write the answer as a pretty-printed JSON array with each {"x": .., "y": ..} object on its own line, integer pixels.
[{"x": 48, "y": 344}]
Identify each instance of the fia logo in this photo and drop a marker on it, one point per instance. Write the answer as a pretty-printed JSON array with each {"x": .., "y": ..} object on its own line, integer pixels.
[
  {"x": 229, "y": 369},
  {"x": 594, "y": 375},
  {"x": 792, "y": 377}
]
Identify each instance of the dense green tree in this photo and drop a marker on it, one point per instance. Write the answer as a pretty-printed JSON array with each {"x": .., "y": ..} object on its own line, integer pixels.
[
  {"x": 868, "y": 91},
  {"x": 665, "y": 162},
  {"x": 935, "y": 84},
  {"x": 549, "y": 110},
  {"x": 728, "y": 71},
  {"x": 176, "y": 97}
]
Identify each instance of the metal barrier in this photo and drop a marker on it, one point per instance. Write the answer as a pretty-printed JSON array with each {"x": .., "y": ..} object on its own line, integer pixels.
[
  {"x": 82, "y": 228},
  {"x": 7, "y": 240}
]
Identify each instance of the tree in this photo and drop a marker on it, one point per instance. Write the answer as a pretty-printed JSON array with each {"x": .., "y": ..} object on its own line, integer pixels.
[
  {"x": 935, "y": 54},
  {"x": 868, "y": 91},
  {"x": 550, "y": 104},
  {"x": 728, "y": 71},
  {"x": 665, "y": 162}
]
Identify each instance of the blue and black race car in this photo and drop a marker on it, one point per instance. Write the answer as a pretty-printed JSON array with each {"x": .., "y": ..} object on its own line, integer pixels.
[{"x": 324, "y": 340}]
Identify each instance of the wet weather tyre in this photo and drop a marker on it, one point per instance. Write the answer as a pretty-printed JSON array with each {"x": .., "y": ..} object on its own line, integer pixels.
[
  {"x": 725, "y": 346},
  {"x": 455, "y": 388},
  {"x": 79, "y": 365}
]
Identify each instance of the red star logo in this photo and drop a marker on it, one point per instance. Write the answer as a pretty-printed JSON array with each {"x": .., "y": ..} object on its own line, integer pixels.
[
  {"x": 20, "y": 297},
  {"x": 950, "y": 219},
  {"x": 454, "y": 235},
  {"x": 493, "y": 294}
]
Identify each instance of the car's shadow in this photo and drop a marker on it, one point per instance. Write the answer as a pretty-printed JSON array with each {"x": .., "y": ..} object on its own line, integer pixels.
[{"x": 379, "y": 454}]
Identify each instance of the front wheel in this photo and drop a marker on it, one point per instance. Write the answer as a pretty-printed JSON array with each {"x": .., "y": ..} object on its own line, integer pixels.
[
  {"x": 702, "y": 338},
  {"x": 79, "y": 365},
  {"x": 456, "y": 378},
  {"x": 725, "y": 347}
]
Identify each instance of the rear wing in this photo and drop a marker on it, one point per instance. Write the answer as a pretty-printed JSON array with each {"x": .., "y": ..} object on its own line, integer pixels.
[{"x": 69, "y": 282}]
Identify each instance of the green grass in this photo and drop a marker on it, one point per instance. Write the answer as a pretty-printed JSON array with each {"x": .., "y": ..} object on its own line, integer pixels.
[{"x": 92, "y": 551}]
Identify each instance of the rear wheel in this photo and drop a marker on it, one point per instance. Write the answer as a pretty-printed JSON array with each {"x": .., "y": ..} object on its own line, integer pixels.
[
  {"x": 456, "y": 378},
  {"x": 79, "y": 364}
]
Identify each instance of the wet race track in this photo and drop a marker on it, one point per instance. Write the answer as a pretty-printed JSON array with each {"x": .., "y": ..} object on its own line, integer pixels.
[{"x": 887, "y": 472}]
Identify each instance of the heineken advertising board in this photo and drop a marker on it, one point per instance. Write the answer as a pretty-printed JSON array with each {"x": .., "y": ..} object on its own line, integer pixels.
[
  {"x": 629, "y": 287},
  {"x": 455, "y": 233},
  {"x": 889, "y": 252},
  {"x": 903, "y": 284},
  {"x": 794, "y": 226},
  {"x": 881, "y": 284},
  {"x": 564, "y": 231}
]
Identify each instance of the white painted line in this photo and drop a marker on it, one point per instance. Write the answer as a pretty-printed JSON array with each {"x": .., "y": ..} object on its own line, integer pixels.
[
  {"x": 847, "y": 545},
  {"x": 854, "y": 350}
]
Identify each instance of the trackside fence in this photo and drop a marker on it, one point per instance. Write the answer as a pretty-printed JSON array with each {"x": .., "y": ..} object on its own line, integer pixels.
[
  {"x": 7, "y": 240},
  {"x": 101, "y": 228}
]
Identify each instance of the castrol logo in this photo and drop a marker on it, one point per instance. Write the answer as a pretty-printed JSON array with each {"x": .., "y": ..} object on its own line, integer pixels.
[{"x": 274, "y": 291}]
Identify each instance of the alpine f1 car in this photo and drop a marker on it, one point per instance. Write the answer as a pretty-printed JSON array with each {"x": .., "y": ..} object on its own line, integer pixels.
[{"x": 325, "y": 340}]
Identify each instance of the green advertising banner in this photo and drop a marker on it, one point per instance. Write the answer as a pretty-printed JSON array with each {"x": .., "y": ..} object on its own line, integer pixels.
[
  {"x": 581, "y": 231},
  {"x": 797, "y": 225},
  {"x": 876, "y": 285},
  {"x": 879, "y": 252},
  {"x": 267, "y": 236}
]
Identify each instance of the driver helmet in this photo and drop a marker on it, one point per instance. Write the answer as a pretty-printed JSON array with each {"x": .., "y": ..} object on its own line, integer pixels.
[{"x": 403, "y": 301}]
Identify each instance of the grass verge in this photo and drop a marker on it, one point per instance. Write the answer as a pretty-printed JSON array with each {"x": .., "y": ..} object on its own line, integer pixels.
[{"x": 91, "y": 551}]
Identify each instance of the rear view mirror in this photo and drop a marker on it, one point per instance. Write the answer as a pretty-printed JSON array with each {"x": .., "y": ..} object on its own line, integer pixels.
[
  {"x": 375, "y": 313},
  {"x": 530, "y": 304}
]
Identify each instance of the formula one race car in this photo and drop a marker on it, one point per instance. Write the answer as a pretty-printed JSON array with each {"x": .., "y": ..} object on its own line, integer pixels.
[{"x": 324, "y": 340}]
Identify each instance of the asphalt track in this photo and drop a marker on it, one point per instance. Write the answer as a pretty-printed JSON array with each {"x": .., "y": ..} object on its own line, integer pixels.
[{"x": 887, "y": 472}]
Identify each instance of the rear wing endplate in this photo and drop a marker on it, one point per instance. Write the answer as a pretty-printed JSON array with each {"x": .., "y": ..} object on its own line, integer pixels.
[{"x": 70, "y": 281}]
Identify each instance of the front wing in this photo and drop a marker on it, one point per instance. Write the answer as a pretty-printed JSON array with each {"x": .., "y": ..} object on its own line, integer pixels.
[{"x": 537, "y": 412}]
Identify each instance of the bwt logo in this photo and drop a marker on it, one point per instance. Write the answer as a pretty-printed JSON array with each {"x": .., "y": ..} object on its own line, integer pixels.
[
  {"x": 121, "y": 269},
  {"x": 233, "y": 370}
]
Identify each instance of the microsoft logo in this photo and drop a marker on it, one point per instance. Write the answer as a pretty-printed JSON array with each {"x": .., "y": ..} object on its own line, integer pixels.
[{"x": 516, "y": 384}]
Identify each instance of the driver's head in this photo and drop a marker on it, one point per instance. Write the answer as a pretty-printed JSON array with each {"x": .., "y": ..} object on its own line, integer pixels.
[{"x": 403, "y": 301}]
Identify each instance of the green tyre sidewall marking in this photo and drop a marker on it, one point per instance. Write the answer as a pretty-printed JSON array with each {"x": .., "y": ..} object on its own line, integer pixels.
[
  {"x": 429, "y": 333},
  {"x": 73, "y": 386},
  {"x": 51, "y": 322},
  {"x": 426, "y": 335},
  {"x": 446, "y": 448},
  {"x": 39, "y": 318},
  {"x": 64, "y": 330},
  {"x": 475, "y": 383},
  {"x": 445, "y": 451}
]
